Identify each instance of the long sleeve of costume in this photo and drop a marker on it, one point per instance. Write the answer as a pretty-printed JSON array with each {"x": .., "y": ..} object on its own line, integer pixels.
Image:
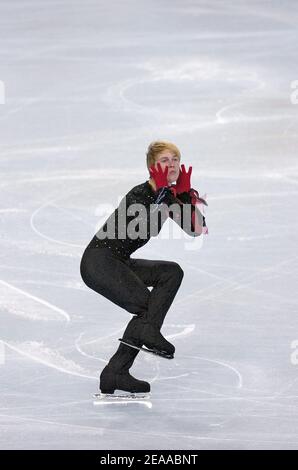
[
  {"x": 190, "y": 218},
  {"x": 141, "y": 214}
]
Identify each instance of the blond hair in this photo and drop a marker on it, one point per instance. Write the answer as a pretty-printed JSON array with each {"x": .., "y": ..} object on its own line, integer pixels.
[{"x": 155, "y": 148}]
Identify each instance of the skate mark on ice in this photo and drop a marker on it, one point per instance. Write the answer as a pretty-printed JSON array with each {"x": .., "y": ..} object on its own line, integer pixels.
[
  {"x": 41, "y": 406},
  {"x": 12, "y": 210},
  {"x": 101, "y": 339},
  {"x": 158, "y": 377},
  {"x": 46, "y": 237},
  {"x": 187, "y": 330},
  {"x": 170, "y": 435},
  {"x": 259, "y": 401},
  {"x": 223, "y": 364},
  {"x": 108, "y": 174},
  {"x": 32, "y": 349},
  {"x": 76, "y": 285},
  {"x": 245, "y": 282},
  {"x": 52, "y": 203},
  {"x": 38, "y": 300},
  {"x": 172, "y": 377},
  {"x": 78, "y": 348},
  {"x": 43, "y": 271},
  {"x": 199, "y": 390}
]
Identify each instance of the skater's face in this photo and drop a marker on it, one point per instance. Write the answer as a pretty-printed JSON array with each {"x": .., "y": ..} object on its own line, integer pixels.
[{"x": 168, "y": 158}]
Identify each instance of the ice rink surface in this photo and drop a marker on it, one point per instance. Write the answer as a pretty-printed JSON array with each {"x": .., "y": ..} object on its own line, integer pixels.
[{"x": 86, "y": 86}]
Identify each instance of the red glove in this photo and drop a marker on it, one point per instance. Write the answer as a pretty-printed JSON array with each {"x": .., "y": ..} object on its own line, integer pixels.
[
  {"x": 160, "y": 177},
  {"x": 183, "y": 181}
]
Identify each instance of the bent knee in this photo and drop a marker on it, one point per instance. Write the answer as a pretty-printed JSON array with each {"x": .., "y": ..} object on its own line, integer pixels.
[{"x": 178, "y": 270}]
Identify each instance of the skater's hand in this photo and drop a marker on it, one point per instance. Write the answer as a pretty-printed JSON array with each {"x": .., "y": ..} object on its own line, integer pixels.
[
  {"x": 160, "y": 177},
  {"x": 183, "y": 182}
]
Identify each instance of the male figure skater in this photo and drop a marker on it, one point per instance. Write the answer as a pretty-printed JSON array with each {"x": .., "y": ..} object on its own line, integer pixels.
[{"x": 108, "y": 268}]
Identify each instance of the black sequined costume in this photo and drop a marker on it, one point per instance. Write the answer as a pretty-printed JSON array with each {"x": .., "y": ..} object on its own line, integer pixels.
[
  {"x": 145, "y": 195},
  {"x": 107, "y": 268}
]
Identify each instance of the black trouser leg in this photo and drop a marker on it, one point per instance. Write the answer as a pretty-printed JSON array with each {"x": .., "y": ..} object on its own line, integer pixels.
[
  {"x": 126, "y": 284},
  {"x": 165, "y": 277}
]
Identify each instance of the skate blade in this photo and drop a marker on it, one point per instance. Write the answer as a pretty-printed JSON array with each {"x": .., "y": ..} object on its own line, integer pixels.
[
  {"x": 155, "y": 352},
  {"x": 122, "y": 398}
]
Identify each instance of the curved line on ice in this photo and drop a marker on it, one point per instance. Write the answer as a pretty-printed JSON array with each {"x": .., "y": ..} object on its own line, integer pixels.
[
  {"x": 37, "y": 299},
  {"x": 46, "y": 363},
  {"x": 228, "y": 366}
]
